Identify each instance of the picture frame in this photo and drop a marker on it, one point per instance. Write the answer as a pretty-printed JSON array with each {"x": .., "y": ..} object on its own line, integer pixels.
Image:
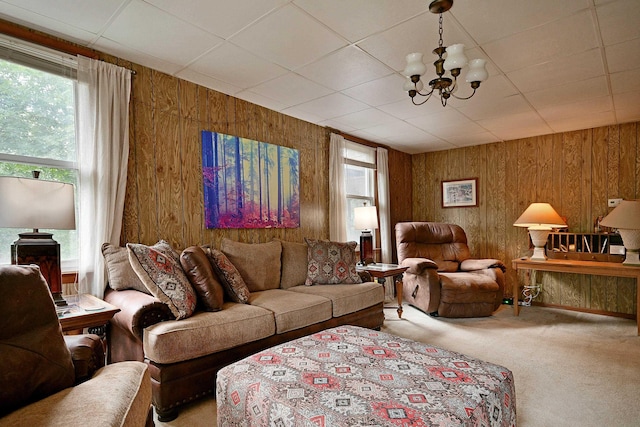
[{"x": 462, "y": 193}]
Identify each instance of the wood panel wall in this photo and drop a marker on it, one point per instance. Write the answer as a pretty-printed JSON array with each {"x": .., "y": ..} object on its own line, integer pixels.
[
  {"x": 164, "y": 198},
  {"x": 574, "y": 171}
]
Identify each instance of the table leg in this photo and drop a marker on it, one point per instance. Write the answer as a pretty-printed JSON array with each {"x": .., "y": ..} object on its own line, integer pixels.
[
  {"x": 399, "y": 295},
  {"x": 516, "y": 291}
]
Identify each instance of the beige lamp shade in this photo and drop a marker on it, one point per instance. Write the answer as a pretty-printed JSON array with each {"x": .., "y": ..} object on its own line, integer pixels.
[
  {"x": 626, "y": 218},
  {"x": 540, "y": 216},
  {"x": 365, "y": 218},
  {"x": 626, "y": 215},
  {"x": 36, "y": 204}
]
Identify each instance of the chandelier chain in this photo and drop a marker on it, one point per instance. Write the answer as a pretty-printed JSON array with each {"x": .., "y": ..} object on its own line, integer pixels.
[{"x": 440, "y": 32}]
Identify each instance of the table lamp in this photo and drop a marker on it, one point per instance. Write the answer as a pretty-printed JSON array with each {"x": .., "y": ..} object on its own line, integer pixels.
[
  {"x": 626, "y": 218},
  {"x": 540, "y": 219},
  {"x": 365, "y": 218},
  {"x": 35, "y": 203}
]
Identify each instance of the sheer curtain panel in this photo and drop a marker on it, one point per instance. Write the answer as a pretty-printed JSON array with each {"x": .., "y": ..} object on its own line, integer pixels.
[
  {"x": 337, "y": 199},
  {"x": 384, "y": 212},
  {"x": 103, "y": 148}
]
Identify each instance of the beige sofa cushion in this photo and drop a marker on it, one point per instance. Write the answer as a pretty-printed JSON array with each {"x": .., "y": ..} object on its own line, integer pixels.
[
  {"x": 294, "y": 264},
  {"x": 346, "y": 298},
  {"x": 257, "y": 263},
  {"x": 292, "y": 310},
  {"x": 207, "y": 332}
]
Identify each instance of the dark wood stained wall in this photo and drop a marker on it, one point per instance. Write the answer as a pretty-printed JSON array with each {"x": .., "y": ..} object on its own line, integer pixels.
[{"x": 574, "y": 171}]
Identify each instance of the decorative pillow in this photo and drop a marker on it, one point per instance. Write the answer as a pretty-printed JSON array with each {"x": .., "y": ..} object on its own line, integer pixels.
[
  {"x": 199, "y": 271},
  {"x": 158, "y": 267},
  {"x": 231, "y": 279},
  {"x": 257, "y": 263},
  {"x": 294, "y": 264},
  {"x": 331, "y": 263},
  {"x": 119, "y": 271}
]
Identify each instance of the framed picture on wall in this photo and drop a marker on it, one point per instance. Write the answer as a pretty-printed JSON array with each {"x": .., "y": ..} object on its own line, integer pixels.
[{"x": 460, "y": 193}]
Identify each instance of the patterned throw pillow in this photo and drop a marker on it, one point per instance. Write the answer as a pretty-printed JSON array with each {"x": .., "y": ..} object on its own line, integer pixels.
[
  {"x": 159, "y": 268},
  {"x": 231, "y": 279},
  {"x": 331, "y": 263}
]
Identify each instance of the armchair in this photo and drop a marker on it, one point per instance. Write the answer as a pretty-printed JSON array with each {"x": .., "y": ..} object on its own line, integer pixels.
[
  {"x": 47, "y": 378},
  {"x": 443, "y": 279}
]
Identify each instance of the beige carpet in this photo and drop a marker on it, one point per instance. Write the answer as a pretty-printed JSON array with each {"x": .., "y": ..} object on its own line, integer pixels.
[{"x": 570, "y": 368}]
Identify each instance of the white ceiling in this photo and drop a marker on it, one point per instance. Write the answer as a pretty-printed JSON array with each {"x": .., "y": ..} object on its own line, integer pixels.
[{"x": 554, "y": 66}]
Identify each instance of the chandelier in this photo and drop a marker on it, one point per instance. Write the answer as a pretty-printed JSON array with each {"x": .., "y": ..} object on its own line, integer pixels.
[{"x": 454, "y": 62}]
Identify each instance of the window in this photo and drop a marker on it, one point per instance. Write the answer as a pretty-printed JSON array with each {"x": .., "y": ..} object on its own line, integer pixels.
[
  {"x": 37, "y": 126},
  {"x": 360, "y": 188}
]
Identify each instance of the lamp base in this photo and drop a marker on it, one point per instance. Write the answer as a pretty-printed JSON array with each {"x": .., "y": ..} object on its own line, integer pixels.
[
  {"x": 632, "y": 257},
  {"x": 40, "y": 249},
  {"x": 366, "y": 248},
  {"x": 538, "y": 254}
]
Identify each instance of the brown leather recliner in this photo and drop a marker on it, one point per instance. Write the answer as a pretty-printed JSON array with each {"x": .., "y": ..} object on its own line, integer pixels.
[
  {"x": 50, "y": 379},
  {"x": 443, "y": 279}
]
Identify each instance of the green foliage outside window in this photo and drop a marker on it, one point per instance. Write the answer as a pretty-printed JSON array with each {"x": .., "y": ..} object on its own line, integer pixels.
[{"x": 37, "y": 123}]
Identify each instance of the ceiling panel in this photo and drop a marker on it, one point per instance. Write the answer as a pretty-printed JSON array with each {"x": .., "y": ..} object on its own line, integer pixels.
[{"x": 553, "y": 65}]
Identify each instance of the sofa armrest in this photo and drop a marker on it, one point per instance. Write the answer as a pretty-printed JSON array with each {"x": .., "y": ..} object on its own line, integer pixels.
[
  {"x": 87, "y": 354},
  {"x": 137, "y": 310},
  {"x": 481, "y": 264},
  {"x": 418, "y": 265},
  {"x": 118, "y": 395}
]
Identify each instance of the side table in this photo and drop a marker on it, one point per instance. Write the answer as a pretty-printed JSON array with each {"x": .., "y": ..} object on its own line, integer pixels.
[
  {"x": 382, "y": 271},
  {"x": 85, "y": 311}
]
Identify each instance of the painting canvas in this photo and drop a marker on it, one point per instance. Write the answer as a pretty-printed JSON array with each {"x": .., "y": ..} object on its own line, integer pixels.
[{"x": 249, "y": 184}]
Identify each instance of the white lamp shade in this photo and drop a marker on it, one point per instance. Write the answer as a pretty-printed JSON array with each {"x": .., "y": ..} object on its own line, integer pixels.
[
  {"x": 477, "y": 71},
  {"x": 455, "y": 57},
  {"x": 415, "y": 66},
  {"x": 36, "y": 203},
  {"x": 626, "y": 216},
  {"x": 365, "y": 218},
  {"x": 540, "y": 216}
]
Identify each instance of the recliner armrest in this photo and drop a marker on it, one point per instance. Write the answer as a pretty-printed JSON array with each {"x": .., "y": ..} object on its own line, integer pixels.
[
  {"x": 87, "y": 354},
  {"x": 418, "y": 265},
  {"x": 480, "y": 264}
]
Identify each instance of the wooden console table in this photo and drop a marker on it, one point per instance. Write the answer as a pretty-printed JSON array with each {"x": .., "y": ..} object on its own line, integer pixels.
[{"x": 596, "y": 268}]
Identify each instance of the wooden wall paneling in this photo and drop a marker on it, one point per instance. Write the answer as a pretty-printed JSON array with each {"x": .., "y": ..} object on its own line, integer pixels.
[
  {"x": 613, "y": 162},
  {"x": 145, "y": 176},
  {"x": 141, "y": 87},
  {"x": 400, "y": 193},
  {"x": 627, "y": 177},
  {"x": 130, "y": 221},
  {"x": 192, "y": 193},
  {"x": 419, "y": 172},
  {"x": 169, "y": 179},
  {"x": 572, "y": 168},
  {"x": 455, "y": 169},
  {"x": 544, "y": 175},
  {"x": 188, "y": 106},
  {"x": 513, "y": 235},
  {"x": 495, "y": 201},
  {"x": 475, "y": 218}
]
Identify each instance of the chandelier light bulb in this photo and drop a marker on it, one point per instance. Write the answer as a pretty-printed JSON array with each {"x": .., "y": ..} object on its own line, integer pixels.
[
  {"x": 477, "y": 71},
  {"x": 415, "y": 66},
  {"x": 455, "y": 57}
]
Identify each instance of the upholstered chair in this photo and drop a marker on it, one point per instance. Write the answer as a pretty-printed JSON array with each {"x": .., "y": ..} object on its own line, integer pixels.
[
  {"x": 443, "y": 279},
  {"x": 50, "y": 379}
]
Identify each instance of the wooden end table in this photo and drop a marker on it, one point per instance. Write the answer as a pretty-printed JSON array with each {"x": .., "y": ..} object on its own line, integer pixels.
[
  {"x": 85, "y": 311},
  {"x": 382, "y": 271}
]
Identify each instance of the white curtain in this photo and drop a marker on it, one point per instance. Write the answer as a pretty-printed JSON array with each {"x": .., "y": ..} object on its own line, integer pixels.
[
  {"x": 337, "y": 197},
  {"x": 102, "y": 129},
  {"x": 382, "y": 162}
]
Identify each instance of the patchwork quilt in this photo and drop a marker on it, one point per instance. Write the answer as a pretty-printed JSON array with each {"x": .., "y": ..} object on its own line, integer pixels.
[{"x": 353, "y": 376}]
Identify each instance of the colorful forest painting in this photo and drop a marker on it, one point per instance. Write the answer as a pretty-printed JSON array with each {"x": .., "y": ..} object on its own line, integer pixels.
[{"x": 249, "y": 184}]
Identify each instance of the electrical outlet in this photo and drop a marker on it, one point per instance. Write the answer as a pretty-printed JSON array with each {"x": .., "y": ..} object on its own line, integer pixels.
[{"x": 614, "y": 202}]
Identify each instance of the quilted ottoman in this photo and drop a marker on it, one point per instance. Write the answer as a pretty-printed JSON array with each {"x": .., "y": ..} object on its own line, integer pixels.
[{"x": 352, "y": 376}]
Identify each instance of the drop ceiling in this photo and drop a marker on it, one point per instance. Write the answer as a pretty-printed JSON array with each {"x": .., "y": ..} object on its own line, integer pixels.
[{"x": 554, "y": 66}]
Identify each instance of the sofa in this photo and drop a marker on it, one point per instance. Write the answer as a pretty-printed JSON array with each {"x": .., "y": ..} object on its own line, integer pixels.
[
  {"x": 47, "y": 378},
  {"x": 248, "y": 297},
  {"x": 442, "y": 278}
]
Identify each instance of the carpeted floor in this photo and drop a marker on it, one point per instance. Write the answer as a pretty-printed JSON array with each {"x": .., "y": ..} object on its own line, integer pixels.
[{"x": 570, "y": 368}]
